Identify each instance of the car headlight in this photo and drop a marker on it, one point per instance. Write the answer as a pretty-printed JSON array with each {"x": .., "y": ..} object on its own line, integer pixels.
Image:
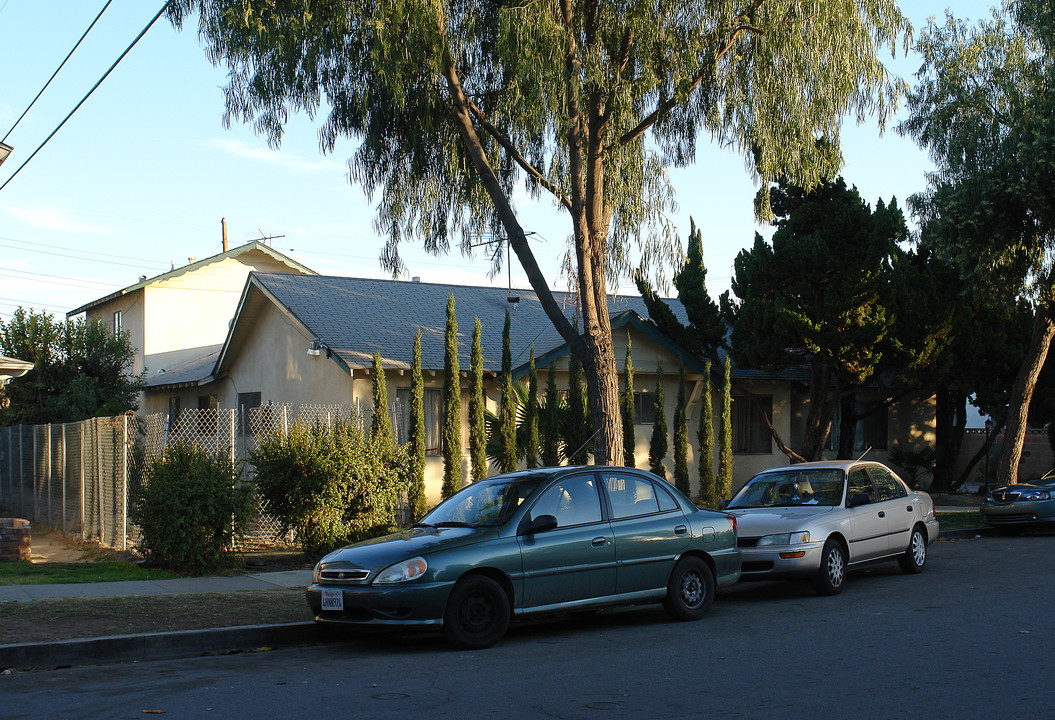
[
  {"x": 784, "y": 539},
  {"x": 315, "y": 573},
  {"x": 1036, "y": 495},
  {"x": 403, "y": 571}
]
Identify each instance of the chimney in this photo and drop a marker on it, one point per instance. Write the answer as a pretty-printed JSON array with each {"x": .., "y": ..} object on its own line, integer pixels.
[{"x": 223, "y": 226}]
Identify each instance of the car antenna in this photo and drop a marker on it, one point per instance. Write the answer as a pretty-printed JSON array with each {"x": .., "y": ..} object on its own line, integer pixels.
[
  {"x": 588, "y": 441},
  {"x": 863, "y": 455}
]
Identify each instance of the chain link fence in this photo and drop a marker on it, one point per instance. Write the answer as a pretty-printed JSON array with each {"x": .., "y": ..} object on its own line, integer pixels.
[{"x": 75, "y": 477}]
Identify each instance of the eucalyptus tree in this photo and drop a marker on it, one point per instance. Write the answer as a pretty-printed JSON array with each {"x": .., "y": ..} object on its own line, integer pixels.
[
  {"x": 984, "y": 108},
  {"x": 587, "y": 103}
]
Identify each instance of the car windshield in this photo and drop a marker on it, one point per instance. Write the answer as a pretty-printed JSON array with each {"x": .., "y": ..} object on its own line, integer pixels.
[
  {"x": 790, "y": 489},
  {"x": 485, "y": 503}
]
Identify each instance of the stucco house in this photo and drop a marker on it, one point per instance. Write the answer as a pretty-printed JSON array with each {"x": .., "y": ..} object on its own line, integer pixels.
[
  {"x": 184, "y": 315},
  {"x": 310, "y": 339}
]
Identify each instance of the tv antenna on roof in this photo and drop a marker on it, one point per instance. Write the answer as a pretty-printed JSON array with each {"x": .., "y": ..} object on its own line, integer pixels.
[
  {"x": 498, "y": 242},
  {"x": 267, "y": 239}
]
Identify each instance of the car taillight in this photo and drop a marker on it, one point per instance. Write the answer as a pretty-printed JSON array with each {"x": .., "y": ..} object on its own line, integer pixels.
[{"x": 732, "y": 521}]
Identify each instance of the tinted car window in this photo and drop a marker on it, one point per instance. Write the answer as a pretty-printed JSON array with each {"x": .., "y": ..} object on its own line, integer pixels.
[
  {"x": 858, "y": 482},
  {"x": 887, "y": 486},
  {"x": 573, "y": 501},
  {"x": 630, "y": 496},
  {"x": 666, "y": 502}
]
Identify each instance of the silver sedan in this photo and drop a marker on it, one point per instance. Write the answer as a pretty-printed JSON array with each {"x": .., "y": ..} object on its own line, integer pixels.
[{"x": 817, "y": 520}]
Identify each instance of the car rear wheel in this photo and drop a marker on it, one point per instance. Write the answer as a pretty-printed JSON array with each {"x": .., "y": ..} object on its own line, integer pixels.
[
  {"x": 832, "y": 573},
  {"x": 477, "y": 613},
  {"x": 915, "y": 556},
  {"x": 690, "y": 590}
]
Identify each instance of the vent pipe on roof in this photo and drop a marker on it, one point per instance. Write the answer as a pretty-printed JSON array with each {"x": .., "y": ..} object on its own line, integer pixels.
[
  {"x": 415, "y": 279},
  {"x": 142, "y": 278}
]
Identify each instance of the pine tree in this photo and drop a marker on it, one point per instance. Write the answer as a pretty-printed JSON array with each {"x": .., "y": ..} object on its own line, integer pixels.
[
  {"x": 416, "y": 492},
  {"x": 477, "y": 426},
  {"x": 452, "y": 408},
  {"x": 708, "y": 497},
  {"x": 531, "y": 413},
  {"x": 723, "y": 487},
  {"x": 507, "y": 461},
  {"x": 381, "y": 427},
  {"x": 577, "y": 432},
  {"x": 626, "y": 409},
  {"x": 681, "y": 439},
  {"x": 657, "y": 449},
  {"x": 551, "y": 422}
]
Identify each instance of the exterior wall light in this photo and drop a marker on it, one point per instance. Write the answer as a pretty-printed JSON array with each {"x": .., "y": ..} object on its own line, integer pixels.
[{"x": 315, "y": 349}]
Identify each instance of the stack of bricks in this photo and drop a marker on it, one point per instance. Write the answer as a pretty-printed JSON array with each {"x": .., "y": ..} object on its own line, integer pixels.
[{"x": 15, "y": 539}]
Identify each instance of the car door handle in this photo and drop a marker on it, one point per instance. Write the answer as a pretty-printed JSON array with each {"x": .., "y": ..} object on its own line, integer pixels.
[
  {"x": 680, "y": 530},
  {"x": 600, "y": 541},
  {"x": 882, "y": 514}
]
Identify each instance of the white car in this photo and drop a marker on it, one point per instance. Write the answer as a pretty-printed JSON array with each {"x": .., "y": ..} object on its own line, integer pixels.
[{"x": 816, "y": 520}]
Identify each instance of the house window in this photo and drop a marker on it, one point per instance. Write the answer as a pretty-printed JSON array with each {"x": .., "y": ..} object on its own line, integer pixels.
[
  {"x": 173, "y": 413},
  {"x": 247, "y": 402},
  {"x": 432, "y": 405},
  {"x": 750, "y": 434},
  {"x": 870, "y": 433},
  {"x": 208, "y": 412},
  {"x": 644, "y": 409},
  {"x": 117, "y": 323}
]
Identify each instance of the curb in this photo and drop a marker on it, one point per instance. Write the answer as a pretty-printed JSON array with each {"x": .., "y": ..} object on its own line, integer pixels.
[
  {"x": 968, "y": 533},
  {"x": 160, "y": 646}
]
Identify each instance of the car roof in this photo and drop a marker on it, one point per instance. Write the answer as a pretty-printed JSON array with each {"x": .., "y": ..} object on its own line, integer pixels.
[{"x": 843, "y": 465}]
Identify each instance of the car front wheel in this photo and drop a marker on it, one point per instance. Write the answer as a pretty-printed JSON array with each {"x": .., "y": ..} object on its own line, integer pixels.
[
  {"x": 832, "y": 573},
  {"x": 915, "y": 556},
  {"x": 690, "y": 590},
  {"x": 477, "y": 613}
]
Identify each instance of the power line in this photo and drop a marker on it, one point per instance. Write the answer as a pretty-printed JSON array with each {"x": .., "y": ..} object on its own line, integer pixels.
[
  {"x": 85, "y": 98},
  {"x": 31, "y": 104},
  {"x": 85, "y": 283},
  {"x": 78, "y": 257},
  {"x": 65, "y": 247}
]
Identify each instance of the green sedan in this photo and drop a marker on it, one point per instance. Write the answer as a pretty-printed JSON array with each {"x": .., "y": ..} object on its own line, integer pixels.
[{"x": 532, "y": 542}]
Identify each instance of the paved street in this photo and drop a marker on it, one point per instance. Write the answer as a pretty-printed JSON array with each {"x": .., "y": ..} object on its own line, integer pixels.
[{"x": 962, "y": 640}]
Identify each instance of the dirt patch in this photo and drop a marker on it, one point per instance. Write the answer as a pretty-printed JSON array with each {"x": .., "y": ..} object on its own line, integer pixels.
[{"x": 70, "y": 618}]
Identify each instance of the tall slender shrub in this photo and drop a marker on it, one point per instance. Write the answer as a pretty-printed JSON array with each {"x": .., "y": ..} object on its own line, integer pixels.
[
  {"x": 577, "y": 432},
  {"x": 531, "y": 443},
  {"x": 551, "y": 422},
  {"x": 626, "y": 409},
  {"x": 477, "y": 426},
  {"x": 507, "y": 459},
  {"x": 416, "y": 441},
  {"x": 681, "y": 439},
  {"x": 724, "y": 484},
  {"x": 705, "y": 436},
  {"x": 381, "y": 426},
  {"x": 657, "y": 449},
  {"x": 452, "y": 408}
]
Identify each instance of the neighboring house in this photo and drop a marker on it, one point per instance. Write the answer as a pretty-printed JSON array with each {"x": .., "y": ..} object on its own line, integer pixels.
[
  {"x": 184, "y": 315},
  {"x": 310, "y": 339}
]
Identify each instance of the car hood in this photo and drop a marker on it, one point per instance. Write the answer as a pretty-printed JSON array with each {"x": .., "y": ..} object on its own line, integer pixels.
[
  {"x": 755, "y": 522},
  {"x": 383, "y": 551}
]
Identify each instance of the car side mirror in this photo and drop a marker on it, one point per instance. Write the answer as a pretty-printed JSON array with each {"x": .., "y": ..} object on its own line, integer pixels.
[
  {"x": 858, "y": 499},
  {"x": 543, "y": 523},
  {"x": 723, "y": 504}
]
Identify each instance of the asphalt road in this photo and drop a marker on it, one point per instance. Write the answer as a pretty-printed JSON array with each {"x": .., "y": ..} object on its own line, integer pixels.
[{"x": 972, "y": 637}]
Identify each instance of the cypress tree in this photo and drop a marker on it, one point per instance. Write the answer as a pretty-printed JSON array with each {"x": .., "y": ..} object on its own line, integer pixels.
[
  {"x": 531, "y": 413},
  {"x": 416, "y": 491},
  {"x": 681, "y": 439},
  {"x": 705, "y": 435},
  {"x": 452, "y": 407},
  {"x": 723, "y": 487},
  {"x": 577, "y": 435},
  {"x": 381, "y": 427},
  {"x": 477, "y": 426},
  {"x": 626, "y": 409},
  {"x": 657, "y": 450},
  {"x": 507, "y": 461},
  {"x": 551, "y": 422}
]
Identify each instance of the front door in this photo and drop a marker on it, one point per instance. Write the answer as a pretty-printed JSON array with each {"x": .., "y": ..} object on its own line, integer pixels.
[{"x": 576, "y": 560}]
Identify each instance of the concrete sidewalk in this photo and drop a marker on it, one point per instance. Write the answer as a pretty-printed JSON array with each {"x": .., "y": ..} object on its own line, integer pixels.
[{"x": 233, "y": 583}]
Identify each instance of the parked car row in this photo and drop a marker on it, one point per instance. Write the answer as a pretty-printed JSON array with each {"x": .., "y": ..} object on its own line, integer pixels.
[{"x": 559, "y": 540}]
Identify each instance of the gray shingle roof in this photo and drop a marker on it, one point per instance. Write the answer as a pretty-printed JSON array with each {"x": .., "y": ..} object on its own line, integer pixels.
[
  {"x": 189, "y": 372},
  {"x": 356, "y": 317}
]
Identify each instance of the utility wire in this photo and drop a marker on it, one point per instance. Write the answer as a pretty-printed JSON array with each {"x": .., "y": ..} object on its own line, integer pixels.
[
  {"x": 56, "y": 69},
  {"x": 85, "y": 98}
]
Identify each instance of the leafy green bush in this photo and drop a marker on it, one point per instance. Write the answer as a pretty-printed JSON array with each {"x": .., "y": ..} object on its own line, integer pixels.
[
  {"x": 189, "y": 509},
  {"x": 332, "y": 486}
]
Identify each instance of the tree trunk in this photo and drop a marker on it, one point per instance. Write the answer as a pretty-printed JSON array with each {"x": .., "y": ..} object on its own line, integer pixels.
[
  {"x": 1022, "y": 393},
  {"x": 819, "y": 417},
  {"x": 950, "y": 408}
]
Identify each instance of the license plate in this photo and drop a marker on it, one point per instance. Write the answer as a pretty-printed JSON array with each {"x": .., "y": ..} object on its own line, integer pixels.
[{"x": 332, "y": 599}]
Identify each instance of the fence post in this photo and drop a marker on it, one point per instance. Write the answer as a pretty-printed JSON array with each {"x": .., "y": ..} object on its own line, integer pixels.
[
  {"x": 124, "y": 481},
  {"x": 99, "y": 478},
  {"x": 21, "y": 476},
  {"x": 285, "y": 424},
  {"x": 63, "y": 465},
  {"x": 232, "y": 445},
  {"x": 80, "y": 444}
]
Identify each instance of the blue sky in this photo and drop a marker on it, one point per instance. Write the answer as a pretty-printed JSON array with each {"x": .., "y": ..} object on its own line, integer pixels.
[{"x": 141, "y": 175}]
